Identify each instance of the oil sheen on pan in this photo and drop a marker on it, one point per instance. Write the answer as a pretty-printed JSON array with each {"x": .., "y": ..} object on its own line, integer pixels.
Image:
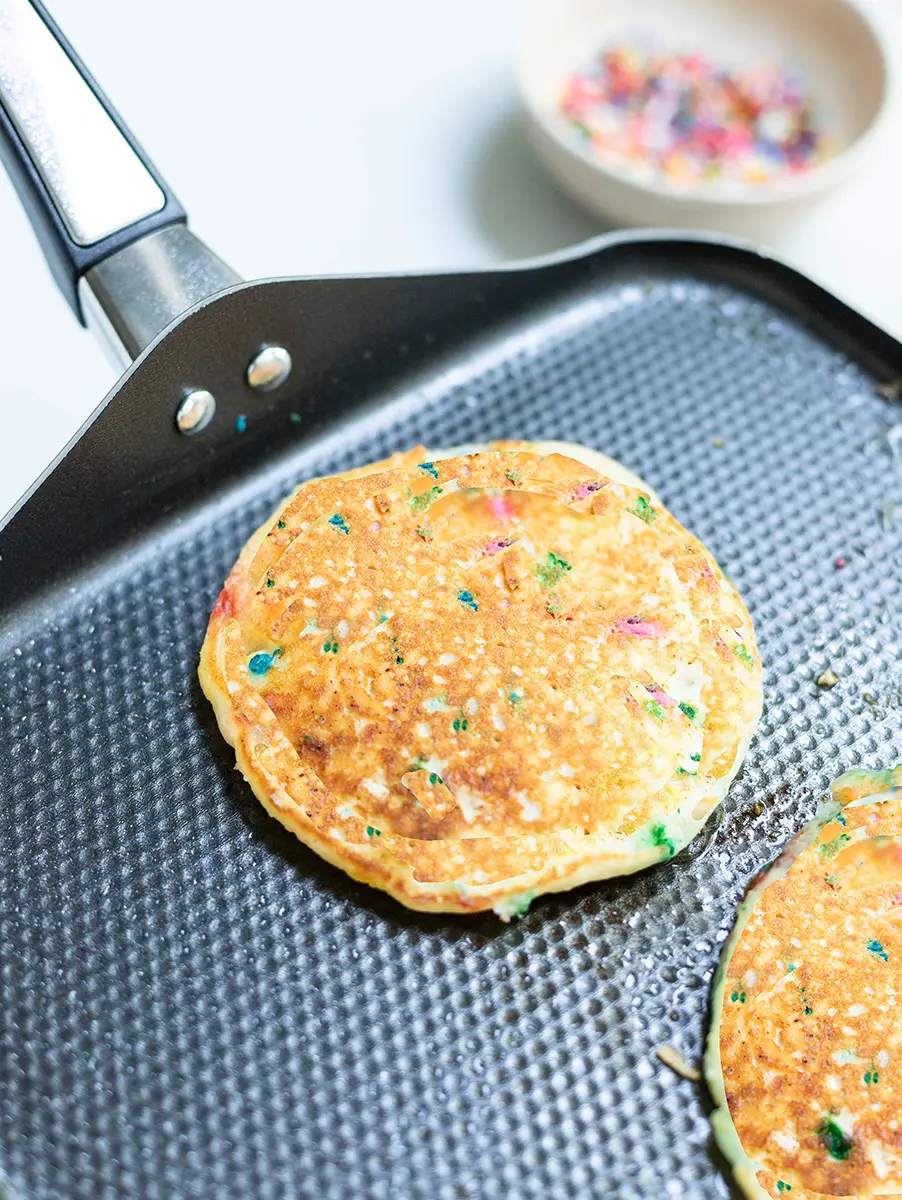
[{"x": 469, "y": 680}]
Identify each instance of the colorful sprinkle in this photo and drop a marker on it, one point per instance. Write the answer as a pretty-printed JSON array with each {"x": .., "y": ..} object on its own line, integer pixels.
[
  {"x": 459, "y": 724},
  {"x": 280, "y": 524},
  {"x": 738, "y": 997},
  {"x": 871, "y": 1077},
  {"x": 424, "y": 499},
  {"x": 832, "y": 848},
  {"x": 876, "y": 947},
  {"x": 643, "y": 510},
  {"x": 466, "y": 598},
  {"x": 551, "y": 570},
  {"x": 587, "y": 489},
  {"x": 659, "y": 838},
  {"x": 742, "y": 653},
  {"x": 496, "y": 545},
  {"x": 502, "y": 508},
  {"x": 240, "y": 423},
  {"x": 371, "y": 831},
  {"x": 428, "y": 468},
  {"x": 840, "y": 562},
  {"x": 837, "y": 1143},
  {"x": 294, "y": 418},
  {"x": 340, "y": 523},
  {"x": 783, "y": 1187},
  {"x": 434, "y": 779},
  {"x": 688, "y": 120},
  {"x": 330, "y": 647},
  {"x": 636, "y": 627},
  {"x": 260, "y": 663},
  {"x": 654, "y": 709},
  {"x": 688, "y": 710}
]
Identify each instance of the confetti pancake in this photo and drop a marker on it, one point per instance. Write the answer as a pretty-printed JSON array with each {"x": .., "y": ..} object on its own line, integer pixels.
[
  {"x": 474, "y": 677},
  {"x": 804, "y": 1057}
]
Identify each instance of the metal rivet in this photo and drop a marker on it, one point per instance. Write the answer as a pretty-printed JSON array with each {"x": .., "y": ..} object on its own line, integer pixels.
[
  {"x": 268, "y": 369},
  {"x": 195, "y": 411}
]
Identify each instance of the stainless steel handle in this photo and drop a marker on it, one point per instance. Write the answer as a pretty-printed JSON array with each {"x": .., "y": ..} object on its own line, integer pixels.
[
  {"x": 97, "y": 182},
  {"x": 112, "y": 230}
]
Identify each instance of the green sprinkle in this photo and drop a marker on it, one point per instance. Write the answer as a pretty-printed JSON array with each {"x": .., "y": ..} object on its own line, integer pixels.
[
  {"x": 743, "y": 655},
  {"x": 270, "y": 582},
  {"x": 327, "y": 646},
  {"x": 428, "y": 469},
  {"x": 424, "y": 499},
  {"x": 832, "y": 848},
  {"x": 688, "y": 711},
  {"x": 838, "y": 1144},
  {"x": 520, "y": 904},
  {"x": 294, "y": 418},
  {"x": 459, "y": 725},
  {"x": 434, "y": 779},
  {"x": 738, "y": 997},
  {"x": 872, "y": 1077},
  {"x": 260, "y": 663},
  {"x": 335, "y": 647},
  {"x": 340, "y": 523},
  {"x": 399, "y": 661},
  {"x": 466, "y": 597},
  {"x": 654, "y": 709},
  {"x": 642, "y": 509},
  {"x": 696, "y": 757},
  {"x": 551, "y": 570},
  {"x": 876, "y": 947},
  {"x": 783, "y": 1187},
  {"x": 659, "y": 838},
  {"x": 373, "y": 832},
  {"x": 515, "y": 698},
  {"x": 280, "y": 525}
]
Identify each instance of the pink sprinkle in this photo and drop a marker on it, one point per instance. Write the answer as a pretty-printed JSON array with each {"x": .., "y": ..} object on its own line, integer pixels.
[
  {"x": 497, "y": 544},
  {"x": 638, "y": 628},
  {"x": 662, "y": 698},
  {"x": 501, "y": 507},
  {"x": 839, "y": 563},
  {"x": 586, "y": 489}
]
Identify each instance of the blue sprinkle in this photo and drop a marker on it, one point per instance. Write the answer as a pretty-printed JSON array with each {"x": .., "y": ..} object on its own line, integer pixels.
[
  {"x": 875, "y": 947},
  {"x": 339, "y": 522},
  {"x": 241, "y": 423},
  {"x": 429, "y": 468},
  {"x": 260, "y": 663},
  {"x": 467, "y": 598}
]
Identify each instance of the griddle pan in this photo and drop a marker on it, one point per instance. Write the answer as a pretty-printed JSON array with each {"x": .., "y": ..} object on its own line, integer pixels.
[{"x": 194, "y": 1005}]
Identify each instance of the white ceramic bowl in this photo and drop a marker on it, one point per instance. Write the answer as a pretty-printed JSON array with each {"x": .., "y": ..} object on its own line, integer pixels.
[{"x": 834, "y": 43}]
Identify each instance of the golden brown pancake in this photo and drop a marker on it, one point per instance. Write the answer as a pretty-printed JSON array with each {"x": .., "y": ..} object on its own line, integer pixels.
[
  {"x": 805, "y": 1053},
  {"x": 469, "y": 680}
]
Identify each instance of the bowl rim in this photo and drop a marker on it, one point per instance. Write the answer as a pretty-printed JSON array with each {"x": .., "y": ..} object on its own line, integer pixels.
[{"x": 791, "y": 187}]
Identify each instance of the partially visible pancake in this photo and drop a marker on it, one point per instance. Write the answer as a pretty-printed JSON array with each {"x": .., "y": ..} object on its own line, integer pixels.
[
  {"x": 471, "y": 679},
  {"x": 804, "y": 1057}
]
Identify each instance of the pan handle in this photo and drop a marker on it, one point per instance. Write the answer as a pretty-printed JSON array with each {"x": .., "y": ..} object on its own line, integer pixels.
[{"x": 112, "y": 231}]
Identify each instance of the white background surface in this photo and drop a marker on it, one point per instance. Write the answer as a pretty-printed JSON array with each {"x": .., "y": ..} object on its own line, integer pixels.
[{"x": 319, "y": 138}]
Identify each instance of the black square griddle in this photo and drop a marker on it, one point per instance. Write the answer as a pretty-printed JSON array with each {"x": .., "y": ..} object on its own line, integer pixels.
[{"x": 194, "y": 1005}]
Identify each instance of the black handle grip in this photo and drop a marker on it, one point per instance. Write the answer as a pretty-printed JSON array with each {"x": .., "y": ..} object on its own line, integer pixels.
[{"x": 75, "y": 233}]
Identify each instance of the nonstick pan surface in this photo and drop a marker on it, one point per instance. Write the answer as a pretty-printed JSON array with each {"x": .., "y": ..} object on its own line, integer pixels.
[{"x": 194, "y": 1005}]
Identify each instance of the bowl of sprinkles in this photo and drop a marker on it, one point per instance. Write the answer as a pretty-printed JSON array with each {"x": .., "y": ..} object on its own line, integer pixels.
[{"x": 701, "y": 112}]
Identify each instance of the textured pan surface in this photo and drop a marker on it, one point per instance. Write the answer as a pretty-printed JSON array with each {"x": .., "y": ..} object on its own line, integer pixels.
[{"x": 192, "y": 1005}]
